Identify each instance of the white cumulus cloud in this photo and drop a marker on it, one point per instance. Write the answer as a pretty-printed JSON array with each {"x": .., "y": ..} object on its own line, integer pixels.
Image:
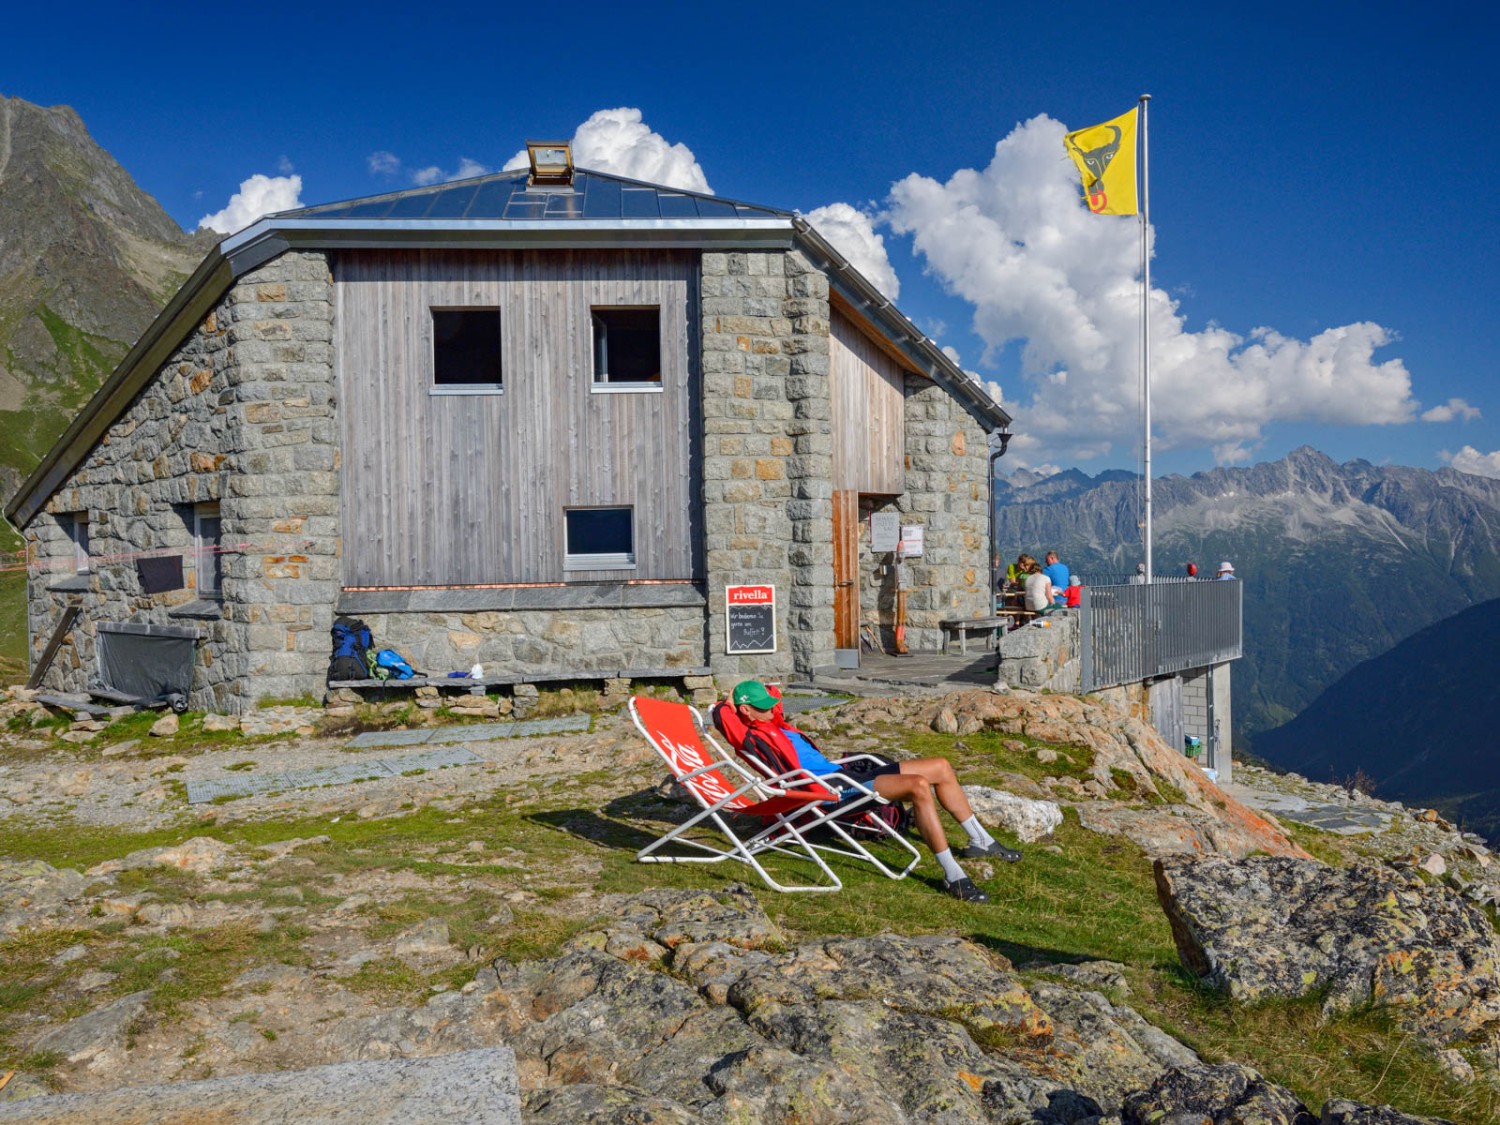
[
  {"x": 1448, "y": 411},
  {"x": 1470, "y": 460},
  {"x": 618, "y": 141},
  {"x": 852, "y": 233},
  {"x": 468, "y": 168},
  {"x": 259, "y": 195},
  {"x": 1039, "y": 269},
  {"x": 383, "y": 163}
]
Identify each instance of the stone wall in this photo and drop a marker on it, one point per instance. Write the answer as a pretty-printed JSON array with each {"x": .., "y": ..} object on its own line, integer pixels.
[
  {"x": 1197, "y": 720},
  {"x": 598, "y": 641},
  {"x": 768, "y": 453},
  {"x": 241, "y": 414},
  {"x": 947, "y": 457},
  {"x": 1043, "y": 654}
]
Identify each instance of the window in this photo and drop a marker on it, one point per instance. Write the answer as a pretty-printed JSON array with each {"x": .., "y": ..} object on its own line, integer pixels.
[
  {"x": 599, "y": 539},
  {"x": 76, "y": 524},
  {"x": 208, "y": 558},
  {"x": 627, "y": 348},
  {"x": 466, "y": 350}
]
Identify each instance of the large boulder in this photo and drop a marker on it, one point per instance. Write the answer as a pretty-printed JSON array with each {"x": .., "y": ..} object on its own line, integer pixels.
[
  {"x": 1273, "y": 927},
  {"x": 1229, "y": 1094},
  {"x": 695, "y": 1005}
]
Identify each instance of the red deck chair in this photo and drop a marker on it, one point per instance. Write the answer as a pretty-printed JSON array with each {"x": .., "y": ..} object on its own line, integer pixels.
[
  {"x": 789, "y": 805},
  {"x": 727, "y": 721}
]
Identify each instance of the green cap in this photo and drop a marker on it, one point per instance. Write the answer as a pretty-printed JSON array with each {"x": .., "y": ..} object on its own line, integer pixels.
[{"x": 754, "y": 693}]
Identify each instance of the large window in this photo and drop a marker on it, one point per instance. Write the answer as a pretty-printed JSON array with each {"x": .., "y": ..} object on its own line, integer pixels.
[
  {"x": 599, "y": 539},
  {"x": 466, "y": 351},
  {"x": 77, "y": 526},
  {"x": 207, "y": 550},
  {"x": 627, "y": 348}
]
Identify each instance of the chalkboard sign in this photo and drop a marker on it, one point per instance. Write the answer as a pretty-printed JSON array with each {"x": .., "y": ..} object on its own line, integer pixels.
[{"x": 750, "y": 613}]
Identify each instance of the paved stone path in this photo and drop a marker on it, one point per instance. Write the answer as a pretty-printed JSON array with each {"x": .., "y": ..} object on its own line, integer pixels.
[
  {"x": 1345, "y": 820},
  {"x": 369, "y": 769}
]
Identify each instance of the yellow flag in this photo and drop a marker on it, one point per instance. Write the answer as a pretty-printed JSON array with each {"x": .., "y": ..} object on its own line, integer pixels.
[{"x": 1105, "y": 155}]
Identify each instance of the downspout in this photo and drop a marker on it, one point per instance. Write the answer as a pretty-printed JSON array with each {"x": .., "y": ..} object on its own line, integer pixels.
[{"x": 999, "y": 441}]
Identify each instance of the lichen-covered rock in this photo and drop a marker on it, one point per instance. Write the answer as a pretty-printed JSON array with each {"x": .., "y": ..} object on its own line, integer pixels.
[
  {"x": 694, "y": 1000},
  {"x": 1226, "y": 1094},
  {"x": 1268, "y": 927},
  {"x": 1342, "y": 1112}
]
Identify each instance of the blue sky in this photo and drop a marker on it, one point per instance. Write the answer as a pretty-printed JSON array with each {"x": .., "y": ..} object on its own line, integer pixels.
[{"x": 1318, "y": 170}]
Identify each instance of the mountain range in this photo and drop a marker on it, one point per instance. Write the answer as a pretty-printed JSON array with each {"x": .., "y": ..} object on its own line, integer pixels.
[{"x": 1339, "y": 562}]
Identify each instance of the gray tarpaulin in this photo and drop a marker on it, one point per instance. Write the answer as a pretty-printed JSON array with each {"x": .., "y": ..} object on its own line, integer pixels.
[{"x": 147, "y": 661}]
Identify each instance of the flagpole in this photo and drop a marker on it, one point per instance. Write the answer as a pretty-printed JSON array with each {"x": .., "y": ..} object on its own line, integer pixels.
[{"x": 1146, "y": 320}]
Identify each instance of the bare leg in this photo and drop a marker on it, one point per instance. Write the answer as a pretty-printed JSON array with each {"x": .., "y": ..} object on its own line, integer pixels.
[
  {"x": 938, "y": 773},
  {"x": 905, "y": 787}
]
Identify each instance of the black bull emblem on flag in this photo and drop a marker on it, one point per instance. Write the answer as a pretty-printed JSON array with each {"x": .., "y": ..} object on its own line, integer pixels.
[{"x": 1097, "y": 160}]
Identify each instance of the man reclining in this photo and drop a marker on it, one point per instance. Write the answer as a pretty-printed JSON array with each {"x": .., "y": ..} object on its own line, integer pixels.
[{"x": 780, "y": 746}]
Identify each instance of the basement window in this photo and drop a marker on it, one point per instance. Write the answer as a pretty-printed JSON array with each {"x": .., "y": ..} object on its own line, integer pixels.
[
  {"x": 627, "y": 349},
  {"x": 466, "y": 351},
  {"x": 599, "y": 539}
]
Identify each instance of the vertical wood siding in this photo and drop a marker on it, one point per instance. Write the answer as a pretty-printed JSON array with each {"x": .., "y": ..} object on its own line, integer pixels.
[
  {"x": 463, "y": 489},
  {"x": 869, "y": 432}
]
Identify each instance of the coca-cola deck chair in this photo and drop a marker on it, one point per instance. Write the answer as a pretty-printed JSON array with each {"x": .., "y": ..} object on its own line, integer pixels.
[{"x": 789, "y": 805}]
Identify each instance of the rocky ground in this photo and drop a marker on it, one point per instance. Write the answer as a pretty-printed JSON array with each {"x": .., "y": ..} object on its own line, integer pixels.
[{"x": 143, "y": 939}]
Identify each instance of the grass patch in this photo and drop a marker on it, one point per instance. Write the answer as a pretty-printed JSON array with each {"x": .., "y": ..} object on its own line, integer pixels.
[{"x": 983, "y": 757}]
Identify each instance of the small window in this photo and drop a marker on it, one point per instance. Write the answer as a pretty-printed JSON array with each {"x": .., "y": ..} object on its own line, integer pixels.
[
  {"x": 599, "y": 539},
  {"x": 627, "y": 348},
  {"x": 466, "y": 350},
  {"x": 77, "y": 526},
  {"x": 207, "y": 553}
]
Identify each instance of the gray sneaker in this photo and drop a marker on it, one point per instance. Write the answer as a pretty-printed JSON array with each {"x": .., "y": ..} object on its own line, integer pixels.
[
  {"x": 993, "y": 850},
  {"x": 964, "y": 890}
]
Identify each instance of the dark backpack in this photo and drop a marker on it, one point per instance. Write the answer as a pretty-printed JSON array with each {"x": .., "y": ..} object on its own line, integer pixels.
[{"x": 352, "y": 642}]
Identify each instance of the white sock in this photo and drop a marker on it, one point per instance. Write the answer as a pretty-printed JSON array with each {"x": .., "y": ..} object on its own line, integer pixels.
[
  {"x": 977, "y": 835},
  {"x": 951, "y": 870}
]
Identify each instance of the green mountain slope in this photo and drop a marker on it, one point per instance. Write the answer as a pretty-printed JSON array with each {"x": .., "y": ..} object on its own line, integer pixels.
[
  {"x": 86, "y": 260},
  {"x": 1421, "y": 721}
]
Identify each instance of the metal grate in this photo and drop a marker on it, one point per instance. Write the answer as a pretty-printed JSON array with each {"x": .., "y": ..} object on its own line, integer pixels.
[{"x": 1133, "y": 632}]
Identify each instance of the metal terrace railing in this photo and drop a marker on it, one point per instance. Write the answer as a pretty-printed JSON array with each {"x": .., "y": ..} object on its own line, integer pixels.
[{"x": 1135, "y": 632}]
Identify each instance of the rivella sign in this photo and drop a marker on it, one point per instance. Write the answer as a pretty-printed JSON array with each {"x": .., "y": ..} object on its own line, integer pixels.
[{"x": 750, "y": 619}]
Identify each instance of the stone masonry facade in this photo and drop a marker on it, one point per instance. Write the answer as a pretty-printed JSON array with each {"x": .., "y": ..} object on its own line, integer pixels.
[
  {"x": 242, "y": 414},
  {"x": 947, "y": 457},
  {"x": 768, "y": 452}
]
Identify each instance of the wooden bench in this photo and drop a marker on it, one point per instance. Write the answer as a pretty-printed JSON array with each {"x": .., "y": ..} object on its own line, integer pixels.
[{"x": 963, "y": 626}]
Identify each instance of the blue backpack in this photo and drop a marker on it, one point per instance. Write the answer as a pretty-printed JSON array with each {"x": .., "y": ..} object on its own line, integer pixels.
[
  {"x": 352, "y": 642},
  {"x": 393, "y": 664}
]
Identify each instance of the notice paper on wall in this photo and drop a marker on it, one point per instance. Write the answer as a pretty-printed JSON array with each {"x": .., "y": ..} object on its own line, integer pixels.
[
  {"x": 911, "y": 540},
  {"x": 885, "y": 531},
  {"x": 750, "y": 617}
]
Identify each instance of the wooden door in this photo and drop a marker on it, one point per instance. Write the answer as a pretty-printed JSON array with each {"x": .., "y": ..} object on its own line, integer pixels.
[{"x": 846, "y": 570}]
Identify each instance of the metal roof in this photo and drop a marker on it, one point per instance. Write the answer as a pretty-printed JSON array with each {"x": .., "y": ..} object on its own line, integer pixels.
[{"x": 510, "y": 196}]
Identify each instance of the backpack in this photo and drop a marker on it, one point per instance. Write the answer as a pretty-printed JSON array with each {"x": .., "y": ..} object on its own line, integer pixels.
[
  {"x": 394, "y": 665},
  {"x": 352, "y": 640}
]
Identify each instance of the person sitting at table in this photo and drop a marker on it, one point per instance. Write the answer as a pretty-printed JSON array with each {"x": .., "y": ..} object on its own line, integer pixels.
[
  {"x": 1016, "y": 572},
  {"x": 1038, "y": 589},
  {"x": 1057, "y": 574}
]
